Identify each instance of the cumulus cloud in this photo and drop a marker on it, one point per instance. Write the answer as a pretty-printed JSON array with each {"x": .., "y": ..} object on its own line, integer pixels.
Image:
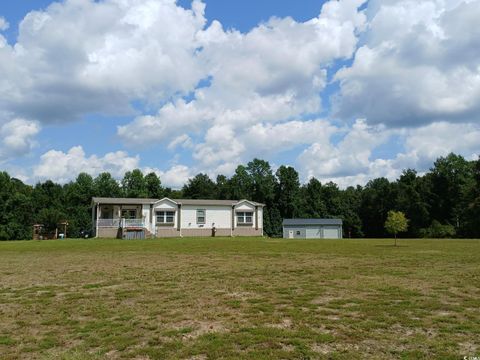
[
  {"x": 65, "y": 166},
  {"x": 419, "y": 64},
  {"x": 350, "y": 156},
  {"x": 259, "y": 84},
  {"x": 224, "y": 96},
  {"x": 80, "y": 57},
  {"x": 351, "y": 161},
  {"x": 175, "y": 177},
  {"x": 17, "y": 138}
]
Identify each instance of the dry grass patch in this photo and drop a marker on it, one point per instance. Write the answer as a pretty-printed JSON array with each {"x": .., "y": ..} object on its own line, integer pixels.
[{"x": 239, "y": 299}]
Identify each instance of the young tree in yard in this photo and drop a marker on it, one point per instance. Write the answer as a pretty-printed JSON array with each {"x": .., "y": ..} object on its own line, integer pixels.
[{"x": 396, "y": 222}]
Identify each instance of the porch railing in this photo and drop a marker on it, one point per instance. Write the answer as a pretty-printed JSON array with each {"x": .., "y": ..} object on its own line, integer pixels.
[
  {"x": 133, "y": 223},
  {"x": 120, "y": 223},
  {"x": 108, "y": 222}
]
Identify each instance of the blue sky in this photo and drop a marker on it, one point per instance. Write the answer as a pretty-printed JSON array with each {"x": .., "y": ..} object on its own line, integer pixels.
[{"x": 342, "y": 90}]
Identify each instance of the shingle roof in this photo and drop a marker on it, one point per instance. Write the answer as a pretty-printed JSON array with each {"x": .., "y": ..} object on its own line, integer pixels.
[
  {"x": 312, "y": 222},
  {"x": 130, "y": 201}
]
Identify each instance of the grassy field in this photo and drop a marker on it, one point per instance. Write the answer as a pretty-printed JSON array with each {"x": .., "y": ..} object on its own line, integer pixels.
[{"x": 239, "y": 298}]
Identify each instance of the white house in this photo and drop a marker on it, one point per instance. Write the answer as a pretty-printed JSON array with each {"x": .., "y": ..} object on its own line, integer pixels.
[{"x": 140, "y": 218}]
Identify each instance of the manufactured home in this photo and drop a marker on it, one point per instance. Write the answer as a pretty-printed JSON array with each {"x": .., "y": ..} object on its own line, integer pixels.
[
  {"x": 143, "y": 218},
  {"x": 312, "y": 228}
]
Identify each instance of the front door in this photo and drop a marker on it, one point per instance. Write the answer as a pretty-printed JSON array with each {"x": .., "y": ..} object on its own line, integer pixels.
[
  {"x": 107, "y": 213},
  {"x": 290, "y": 234}
]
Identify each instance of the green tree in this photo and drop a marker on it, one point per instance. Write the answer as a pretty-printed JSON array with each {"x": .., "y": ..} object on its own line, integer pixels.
[
  {"x": 200, "y": 187},
  {"x": 223, "y": 187},
  {"x": 16, "y": 209},
  {"x": 50, "y": 218},
  {"x": 105, "y": 185},
  {"x": 412, "y": 199},
  {"x": 241, "y": 184},
  {"x": 287, "y": 191},
  {"x": 438, "y": 231},
  {"x": 262, "y": 181},
  {"x": 378, "y": 197},
  {"x": 452, "y": 179},
  {"x": 133, "y": 184},
  {"x": 396, "y": 223},
  {"x": 154, "y": 186},
  {"x": 263, "y": 185},
  {"x": 77, "y": 207},
  {"x": 312, "y": 204},
  {"x": 333, "y": 199},
  {"x": 350, "y": 200}
]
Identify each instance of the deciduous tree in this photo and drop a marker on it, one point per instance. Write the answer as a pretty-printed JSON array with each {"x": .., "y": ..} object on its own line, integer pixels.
[{"x": 396, "y": 223}]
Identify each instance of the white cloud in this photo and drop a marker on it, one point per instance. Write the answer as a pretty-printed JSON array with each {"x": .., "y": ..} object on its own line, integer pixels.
[
  {"x": 416, "y": 76},
  {"x": 183, "y": 140},
  {"x": 17, "y": 138},
  {"x": 259, "y": 83},
  {"x": 351, "y": 162},
  {"x": 420, "y": 64},
  {"x": 63, "y": 167},
  {"x": 4, "y": 25},
  {"x": 174, "y": 177},
  {"x": 349, "y": 157},
  {"x": 424, "y": 145},
  {"x": 79, "y": 57}
]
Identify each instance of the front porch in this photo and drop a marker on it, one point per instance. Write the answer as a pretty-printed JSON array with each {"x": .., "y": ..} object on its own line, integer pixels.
[{"x": 120, "y": 221}]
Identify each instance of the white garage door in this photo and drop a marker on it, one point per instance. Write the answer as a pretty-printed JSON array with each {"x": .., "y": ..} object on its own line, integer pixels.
[{"x": 330, "y": 233}]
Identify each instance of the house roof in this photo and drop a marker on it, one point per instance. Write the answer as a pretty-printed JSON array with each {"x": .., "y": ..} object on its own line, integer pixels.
[
  {"x": 213, "y": 202},
  {"x": 312, "y": 222},
  {"x": 121, "y": 201},
  {"x": 140, "y": 201}
]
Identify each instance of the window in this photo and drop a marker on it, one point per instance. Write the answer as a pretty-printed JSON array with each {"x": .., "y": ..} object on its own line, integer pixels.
[
  {"x": 201, "y": 216},
  {"x": 298, "y": 232},
  {"x": 165, "y": 217},
  {"x": 129, "y": 214},
  {"x": 245, "y": 218}
]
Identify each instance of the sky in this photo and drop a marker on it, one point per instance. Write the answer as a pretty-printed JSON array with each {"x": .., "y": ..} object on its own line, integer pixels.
[{"x": 344, "y": 91}]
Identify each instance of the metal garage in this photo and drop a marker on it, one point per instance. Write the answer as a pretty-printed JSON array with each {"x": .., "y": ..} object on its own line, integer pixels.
[{"x": 312, "y": 229}]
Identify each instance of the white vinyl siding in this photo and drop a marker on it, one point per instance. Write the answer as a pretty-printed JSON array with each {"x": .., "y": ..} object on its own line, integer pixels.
[
  {"x": 294, "y": 232},
  {"x": 215, "y": 216}
]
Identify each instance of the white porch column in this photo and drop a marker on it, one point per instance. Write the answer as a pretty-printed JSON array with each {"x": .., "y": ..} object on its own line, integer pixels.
[{"x": 98, "y": 217}]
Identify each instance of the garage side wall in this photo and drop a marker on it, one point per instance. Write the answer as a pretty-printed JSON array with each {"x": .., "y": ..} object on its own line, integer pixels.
[
  {"x": 297, "y": 232},
  {"x": 312, "y": 232}
]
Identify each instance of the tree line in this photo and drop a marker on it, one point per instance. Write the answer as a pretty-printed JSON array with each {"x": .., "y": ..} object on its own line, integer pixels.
[{"x": 443, "y": 202}]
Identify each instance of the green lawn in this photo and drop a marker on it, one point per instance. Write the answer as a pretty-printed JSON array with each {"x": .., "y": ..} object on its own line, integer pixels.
[{"x": 239, "y": 298}]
